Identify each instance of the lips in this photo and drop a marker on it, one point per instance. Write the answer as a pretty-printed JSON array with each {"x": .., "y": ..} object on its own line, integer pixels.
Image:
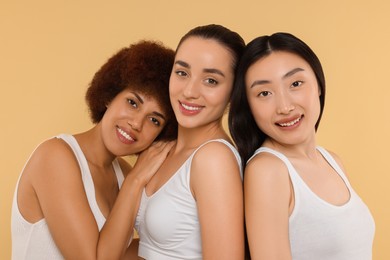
[
  {"x": 190, "y": 109},
  {"x": 124, "y": 136},
  {"x": 290, "y": 122}
]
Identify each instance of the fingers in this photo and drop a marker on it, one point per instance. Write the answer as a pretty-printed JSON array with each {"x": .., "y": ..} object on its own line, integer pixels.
[
  {"x": 171, "y": 144},
  {"x": 157, "y": 151},
  {"x": 167, "y": 146},
  {"x": 150, "y": 160},
  {"x": 162, "y": 146},
  {"x": 157, "y": 144}
]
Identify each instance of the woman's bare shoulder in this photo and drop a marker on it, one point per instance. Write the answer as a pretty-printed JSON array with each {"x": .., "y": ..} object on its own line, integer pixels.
[
  {"x": 266, "y": 166},
  {"x": 52, "y": 155}
]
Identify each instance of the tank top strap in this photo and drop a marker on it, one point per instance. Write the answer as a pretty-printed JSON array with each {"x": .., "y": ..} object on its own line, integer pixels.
[
  {"x": 332, "y": 162},
  {"x": 118, "y": 172},
  {"x": 86, "y": 177},
  {"x": 231, "y": 147},
  {"x": 291, "y": 170},
  {"x": 210, "y": 141}
]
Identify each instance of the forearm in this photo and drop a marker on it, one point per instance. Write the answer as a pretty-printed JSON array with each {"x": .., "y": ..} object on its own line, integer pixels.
[{"x": 118, "y": 229}]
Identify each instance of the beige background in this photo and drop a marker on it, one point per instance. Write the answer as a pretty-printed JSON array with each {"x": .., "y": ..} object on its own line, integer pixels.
[{"x": 49, "y": 51}]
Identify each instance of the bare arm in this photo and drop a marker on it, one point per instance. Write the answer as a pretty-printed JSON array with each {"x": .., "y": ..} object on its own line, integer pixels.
[
  {"x": 132, "y": 251},
  {"x": 118, "y": 229},
  {"x": 267, "y": 197},
  {"x": 217, "y": 187},
  {"x": 55, "y": 177}
]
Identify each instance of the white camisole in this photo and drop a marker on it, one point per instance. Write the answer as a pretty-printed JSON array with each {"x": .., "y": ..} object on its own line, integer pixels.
[
  {"x": 33, "y": 241},
  {"x": 167, "y": 221},
  {"x": 322, "y": 231}
]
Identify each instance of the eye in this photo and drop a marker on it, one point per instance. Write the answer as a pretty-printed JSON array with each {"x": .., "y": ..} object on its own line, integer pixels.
[
  {"x": 132, "y": 102},
  {"x": 181, "y": 73},
  {"x": 264, "y": 94},
  {"x": 155, "y": 121},
  {"x": 211, "y": 81},
  {"x": 296, "y": 84}
]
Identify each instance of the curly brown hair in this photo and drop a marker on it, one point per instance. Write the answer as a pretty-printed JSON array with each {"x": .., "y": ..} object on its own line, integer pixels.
[{"x": 144, "y": 67}]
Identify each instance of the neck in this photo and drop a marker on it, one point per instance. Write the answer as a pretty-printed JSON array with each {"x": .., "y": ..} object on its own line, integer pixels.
[
  {"x": 191, "y": 138},
  {"x": 306, "y": 150},
  {"x": 93, "y": 147}
]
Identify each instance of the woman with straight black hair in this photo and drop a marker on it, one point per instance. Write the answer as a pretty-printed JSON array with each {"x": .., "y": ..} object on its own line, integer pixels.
[{"x": 299, "y": 203}]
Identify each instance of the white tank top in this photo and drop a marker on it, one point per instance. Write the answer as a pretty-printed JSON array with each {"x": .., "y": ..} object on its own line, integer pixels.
[
  {"x": 33, "y": 241},
  {"x": 319, "y": 230},
  {"x": 167, "y": 221}
]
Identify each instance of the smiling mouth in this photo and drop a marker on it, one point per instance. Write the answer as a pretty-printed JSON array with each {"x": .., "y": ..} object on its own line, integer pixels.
[
  {"x": 291, "y": 123},
  {"x": 125, "y": 135},
  {"x": 191, "y": 108}
]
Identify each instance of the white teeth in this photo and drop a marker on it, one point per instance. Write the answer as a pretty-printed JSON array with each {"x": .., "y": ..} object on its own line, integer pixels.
[
  {"x": 191, "y": 108},
  {"x": 291, "y": 123},
  {"x": 125, "y": 135}
]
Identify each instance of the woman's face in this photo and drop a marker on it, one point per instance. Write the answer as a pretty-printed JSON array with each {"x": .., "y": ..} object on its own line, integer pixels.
[
  {"x": 283, "y": 95},
  {"x": 201, "y": 82},
  {"x": 132, "y": 122}
]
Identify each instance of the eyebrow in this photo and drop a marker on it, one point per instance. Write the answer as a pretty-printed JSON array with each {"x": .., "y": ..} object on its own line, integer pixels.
[
  {"x": 138, "y": 97},
  {"x": 292, "y": 72},
  {"x": 154, "y": 112},
  {"x": 159, "y": 115},
  {"x": 288, "y": 74},
  {"x": 183, "y": 64},
  {"x": 214, "y": 71},
  {"x": 207, "y": 70}
]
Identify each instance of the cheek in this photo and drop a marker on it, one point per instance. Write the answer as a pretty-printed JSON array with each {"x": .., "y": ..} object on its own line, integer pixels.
[
  {"x": 261, "y": 113},
  {"x": 117, "y": 108},
  {"x": 314, "y": 103},
  {"x": 255, "y": 111},
  {"x": 221, "y": 96},
  {"x": 172, "y": 92},
  {"x": 259, "y": 117},
  {"x": 109, "y": 114},
  {"x": 317, "y": 106},
  {"x": 218, "y": 99},
  {"x": 174, "y": 86},
  {"x": 149, "y": 135}
]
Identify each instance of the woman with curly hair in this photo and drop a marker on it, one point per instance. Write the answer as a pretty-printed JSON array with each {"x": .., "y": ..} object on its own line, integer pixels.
[{"x": 76, "y": 198}]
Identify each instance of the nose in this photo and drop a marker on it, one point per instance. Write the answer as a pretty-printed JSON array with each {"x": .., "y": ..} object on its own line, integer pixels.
[
  {"x": 135, "y": 123},
  {"x": 191, "y": 89},
  {"x": 285, "y": 104}
]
